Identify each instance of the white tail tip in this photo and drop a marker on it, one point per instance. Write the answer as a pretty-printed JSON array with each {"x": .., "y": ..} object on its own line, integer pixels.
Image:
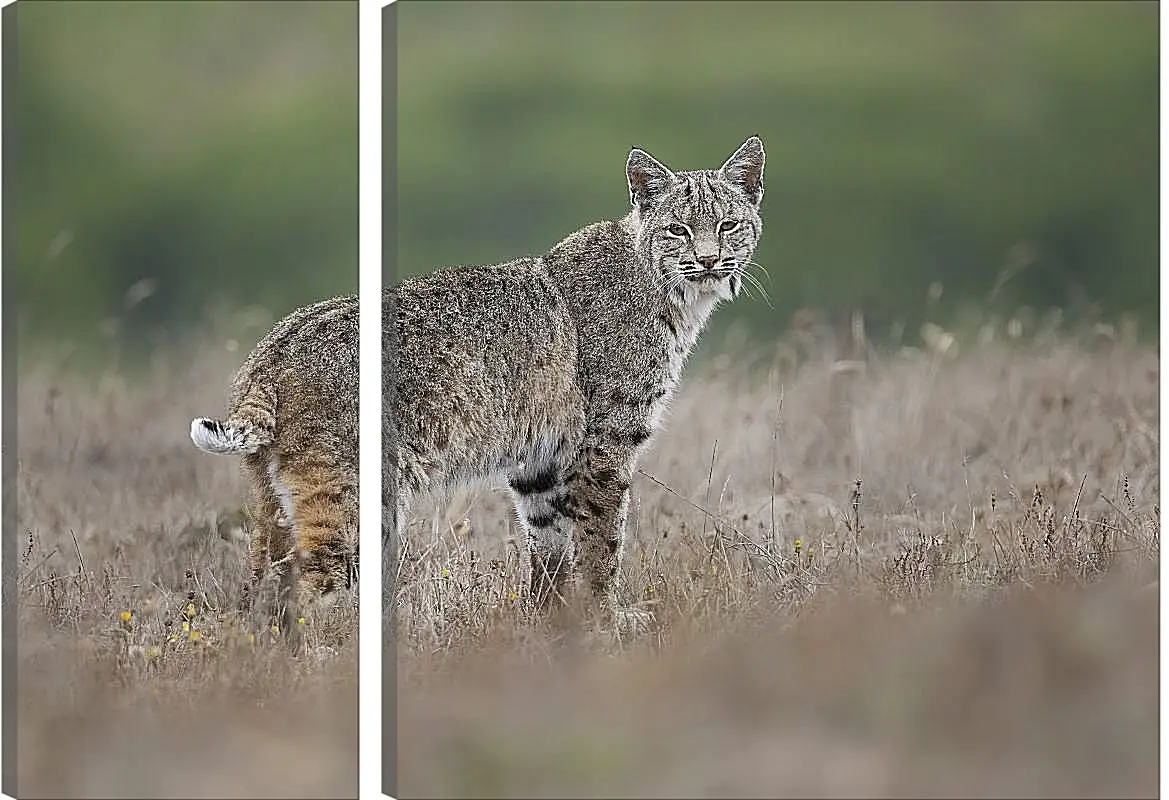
[{"x": 218, "y": 438}]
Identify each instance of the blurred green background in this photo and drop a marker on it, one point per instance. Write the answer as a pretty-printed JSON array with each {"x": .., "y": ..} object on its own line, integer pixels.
[
  {"x": 1005, "y": 153},
  {"x": 178, "y": 158}
]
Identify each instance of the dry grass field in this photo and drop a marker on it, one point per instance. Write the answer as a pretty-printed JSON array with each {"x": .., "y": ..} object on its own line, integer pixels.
[
  {"x": 977, "y": 617},
  {"x": 137, "y": 676},
  {"x": 926, "y": 573}
]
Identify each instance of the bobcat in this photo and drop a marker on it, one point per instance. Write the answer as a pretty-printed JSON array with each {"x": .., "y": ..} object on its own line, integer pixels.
[
  {"x": 555, "y": 371},
  {"x": 292, "y": 415}
]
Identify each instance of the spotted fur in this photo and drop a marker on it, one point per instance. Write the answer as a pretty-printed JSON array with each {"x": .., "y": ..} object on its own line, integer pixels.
[
  {"x": 555, "y": 372},
  {"x": 292, "y": 416}
]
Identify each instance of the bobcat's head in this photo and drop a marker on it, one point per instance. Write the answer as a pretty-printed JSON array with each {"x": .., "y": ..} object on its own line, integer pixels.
[{"x": 699, "y": 229}]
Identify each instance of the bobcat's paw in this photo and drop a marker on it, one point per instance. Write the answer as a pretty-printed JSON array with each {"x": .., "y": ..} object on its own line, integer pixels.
[{"x": 634, "y": 622}]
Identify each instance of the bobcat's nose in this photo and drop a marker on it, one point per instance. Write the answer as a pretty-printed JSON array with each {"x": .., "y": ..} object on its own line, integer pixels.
[{"x": 707, "y": 261}]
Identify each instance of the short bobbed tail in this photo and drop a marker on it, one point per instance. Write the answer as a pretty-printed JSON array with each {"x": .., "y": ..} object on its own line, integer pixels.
[{"x": 224, "y": 438}]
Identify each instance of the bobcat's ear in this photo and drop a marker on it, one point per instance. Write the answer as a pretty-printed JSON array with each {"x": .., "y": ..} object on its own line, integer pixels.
[
  {"x": 745, "y": 169},
  {"x": 647, "y": 177}
]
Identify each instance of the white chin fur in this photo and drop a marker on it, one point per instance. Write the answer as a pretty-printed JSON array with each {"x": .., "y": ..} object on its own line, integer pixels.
[{"x": 720, "y": 289}]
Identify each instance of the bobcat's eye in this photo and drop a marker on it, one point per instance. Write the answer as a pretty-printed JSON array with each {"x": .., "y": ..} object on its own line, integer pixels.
[
  {"x": 676, "y": 229},
  {"x": 727, "y": 225}
]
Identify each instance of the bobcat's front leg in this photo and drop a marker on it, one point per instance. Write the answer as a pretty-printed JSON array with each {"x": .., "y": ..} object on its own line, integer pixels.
[{"x": 599, "y": 488}]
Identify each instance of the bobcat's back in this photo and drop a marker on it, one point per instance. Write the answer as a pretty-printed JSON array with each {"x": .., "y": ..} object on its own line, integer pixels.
[
  {"x": 479, "y": 365},
  {"x": 296, "y": 389}
]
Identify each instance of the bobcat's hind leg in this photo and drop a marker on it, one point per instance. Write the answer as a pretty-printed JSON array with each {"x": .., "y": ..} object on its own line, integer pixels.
[
  {"x": 270, "y": 542},
  {"x": 324, "y": 512}
]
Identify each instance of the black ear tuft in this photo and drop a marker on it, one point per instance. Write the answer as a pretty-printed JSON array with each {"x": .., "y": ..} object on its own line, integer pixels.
[
  {"x": 648, "y": 177},
  {"x": 745, "y": 169}
]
